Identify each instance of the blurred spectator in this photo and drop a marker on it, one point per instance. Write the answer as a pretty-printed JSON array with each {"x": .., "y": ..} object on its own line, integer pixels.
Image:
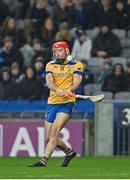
[
  {"x": 106, "y": 43},
  {"x": 8, "y": 89},
  {"x": 9, "y": 29},
  {"x": 5, "y": 11},
  {"x": 1, "y": 61},
  {"x": 40, "y": 51},
  {"x": 23, "y": 9},
  {"x": 64, "y": 34},
  {"x": 127, "y": 75},
  {"x": 27, "y": 53},
  {"x": 104, "y": 14},
  {"x": 128, "y": 13},
  {"x": 82, "y": 46},
  {"x": 30, "y": 53},
  {"x": 16, "y": 75},
  {"x": 92, "y": 5},
  {"x": 30, "y": 85},
  {"x": 28, "y": 31},
  {"x": 60, "y": 12},
  {"x": 115, "y": 82},
  {"x": 80, "y": 15},
  {"x": 88, "y": 78},
  {"x": 51, "y": 4},
  {"x": 38, "y": 13},
  {"x": 120, "y": 16},
  {"x": 48, "y": 32},
  {"x": 10, "y": 3},
  {"x": 107, "y": 70},
  {"x": 13, "y": 6},
  {"x": 39, "y": 67},
  {"x": 11, "y": 54}
]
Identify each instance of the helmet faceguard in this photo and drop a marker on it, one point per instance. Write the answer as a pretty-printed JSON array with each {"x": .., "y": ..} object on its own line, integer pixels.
[{"x": 61, "y": 45}]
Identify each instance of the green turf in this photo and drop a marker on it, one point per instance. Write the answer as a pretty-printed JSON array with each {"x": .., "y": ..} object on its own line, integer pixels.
[{"x": 90, "y": 167}]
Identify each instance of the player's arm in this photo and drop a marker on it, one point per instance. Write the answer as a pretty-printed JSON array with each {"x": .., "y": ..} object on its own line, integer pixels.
[
  {"x": 76, "y": 82},
  {"x": 50, "y": 84},
  {"x": 77, "y": 75},
  {"x": 77, "y": 78}
]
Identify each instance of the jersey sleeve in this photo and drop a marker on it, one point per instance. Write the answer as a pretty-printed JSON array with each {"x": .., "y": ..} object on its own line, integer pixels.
[
  {"x": 78, "y": 68},
  {"x": 48, "y": 68}
]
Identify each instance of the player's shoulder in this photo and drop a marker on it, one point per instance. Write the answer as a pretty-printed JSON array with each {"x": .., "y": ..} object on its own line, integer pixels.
[
  {"x": 76, "y": 62},
  {"x": 51, "y": 63},
  {"x": 73, "y": 62}
]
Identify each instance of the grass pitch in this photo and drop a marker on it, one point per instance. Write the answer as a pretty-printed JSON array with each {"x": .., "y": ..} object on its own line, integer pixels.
[{"x": 79, "y": 168}]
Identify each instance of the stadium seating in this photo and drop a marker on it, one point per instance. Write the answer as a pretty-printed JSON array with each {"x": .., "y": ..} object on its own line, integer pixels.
[
  {"x": 125, "y": 42},
  {"x": 108, "y": 95},
  {"x": 122, "y": 96},
  {"x": 96, "y": 70},
  {"x": 128, "y": 34},
  {"x": 125, "y": 52},
  {"x": 73, "y": 31},
  {"x": 92, "y": 89},
  {"x": 92, "y": 33},
  {"x": 119, "y": 32},
  {"x": 95, "y": 64},
  {"x": 121, "y": 60},
  {"x": 95, "y": 61}
]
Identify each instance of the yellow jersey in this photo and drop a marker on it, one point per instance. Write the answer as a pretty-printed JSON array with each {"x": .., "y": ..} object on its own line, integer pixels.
[{"x": 63, "y": 78}]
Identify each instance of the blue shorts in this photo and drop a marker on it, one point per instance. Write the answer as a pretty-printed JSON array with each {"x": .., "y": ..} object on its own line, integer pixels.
[{"x": 53, "y": 109}]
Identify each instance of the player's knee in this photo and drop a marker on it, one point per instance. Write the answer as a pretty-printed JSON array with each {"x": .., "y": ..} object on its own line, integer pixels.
[
  {"x": 56, "y": 130},
  {"x": 53, "y": 140},
  {"x": 54, "y": 133},
  {"x": 46, "y": 139}
]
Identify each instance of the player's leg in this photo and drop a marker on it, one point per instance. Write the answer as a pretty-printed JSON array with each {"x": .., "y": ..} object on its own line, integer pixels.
[
  {"x": 61, "y": 145},
  {"x": 58, "y": 124},
  {"x": 51, "y": 116},
  {"x": 54, "y": 141},
  {"x": 47, "y": 126},
  {"x": 70, "y": 153},
  {"x": 52, "y": 132}
]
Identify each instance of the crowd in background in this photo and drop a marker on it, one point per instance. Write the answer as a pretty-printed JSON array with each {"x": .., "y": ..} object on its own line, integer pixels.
[{"x": 28, "y": 28}]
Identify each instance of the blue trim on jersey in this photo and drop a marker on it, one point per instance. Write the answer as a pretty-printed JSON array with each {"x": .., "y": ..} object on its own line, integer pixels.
[
  {"x": 47, "y": 72},
  {"x": 72, "y": 63},
  {"x": 53, "y": 109},
  {"x": 78, "y": 72},
  {"x": 53, "y": 62}
]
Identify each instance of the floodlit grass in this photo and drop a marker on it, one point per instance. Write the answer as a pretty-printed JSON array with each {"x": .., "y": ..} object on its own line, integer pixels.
[{"x": 79, "y": 168}]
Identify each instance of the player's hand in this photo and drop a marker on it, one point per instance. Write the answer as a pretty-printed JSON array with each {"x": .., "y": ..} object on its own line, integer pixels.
[
  {"x": 67, "y": 93},
  {"x": 60, "y": 92}
]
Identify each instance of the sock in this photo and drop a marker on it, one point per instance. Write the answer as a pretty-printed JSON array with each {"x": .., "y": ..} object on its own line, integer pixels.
[
  {"x": 69, "y": 151},
  {"x": 44, "y": 160}
]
